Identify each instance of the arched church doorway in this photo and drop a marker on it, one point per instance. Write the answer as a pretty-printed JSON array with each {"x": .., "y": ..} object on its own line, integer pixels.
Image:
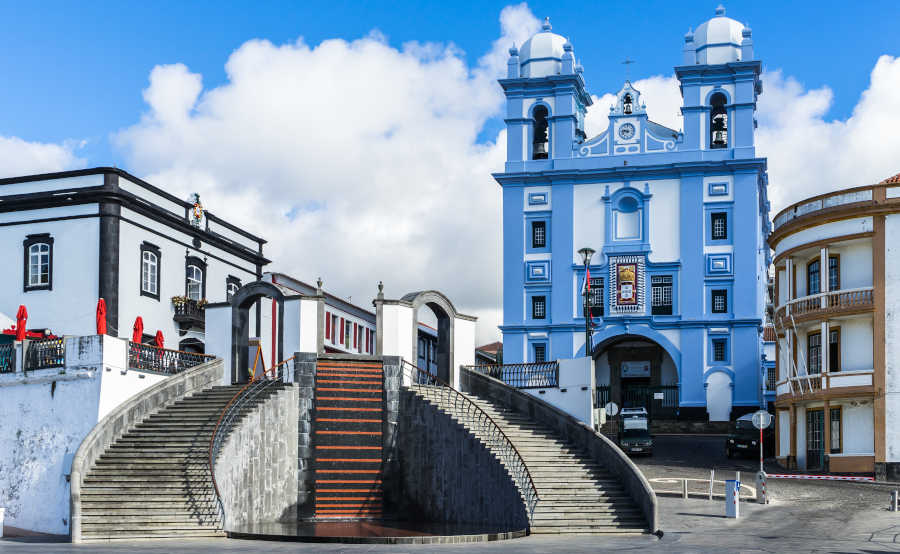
[
  {"x": 636, "y": 372},
  {"x": 245, "y": 298},
  {"x": 433, "y": 341}
]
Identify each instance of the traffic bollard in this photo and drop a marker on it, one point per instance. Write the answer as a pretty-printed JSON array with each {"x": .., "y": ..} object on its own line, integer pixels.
[
  {"x": 761, "y": 495},
  {"x": 732, "y": 494},
  {"x": 894, "y": 500},
  {"x": 684, "y": 492},
  {"x": 712, "y": 479}
]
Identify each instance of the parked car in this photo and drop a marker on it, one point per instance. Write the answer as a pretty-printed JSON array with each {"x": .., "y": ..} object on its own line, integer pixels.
[
  {"x": 635, "y": 438},
  {"x": 744, "y": 438}
]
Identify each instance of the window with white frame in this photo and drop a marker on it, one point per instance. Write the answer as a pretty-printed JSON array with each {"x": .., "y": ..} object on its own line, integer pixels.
[
  {"x": 38, "y": 263},
  {"x": 538, "y": 234},
  {"x": 719, "y": 223},
  {"x": 661, "y": 294},
  {"x": 538, "y": 307},
  {"x": 194, "y": 290},
  {"x": 720, "y": 301},
  {"x": 149, "y": 272}
]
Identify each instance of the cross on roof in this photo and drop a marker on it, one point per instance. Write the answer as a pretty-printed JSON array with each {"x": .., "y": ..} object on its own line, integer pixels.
[{"x": 627, "y": 63}]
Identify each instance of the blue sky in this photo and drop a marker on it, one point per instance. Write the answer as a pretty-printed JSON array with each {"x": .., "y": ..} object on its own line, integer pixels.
[{"x": 75, "y": 70}]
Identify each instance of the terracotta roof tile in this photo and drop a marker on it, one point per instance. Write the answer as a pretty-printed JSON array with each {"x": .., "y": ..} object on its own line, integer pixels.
[{"x": 891, "y": 180}]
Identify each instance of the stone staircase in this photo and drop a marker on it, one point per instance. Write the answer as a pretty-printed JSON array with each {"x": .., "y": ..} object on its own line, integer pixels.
[
  {"x": 577, "y": 496},
  {"x": 154, "y": 481}
]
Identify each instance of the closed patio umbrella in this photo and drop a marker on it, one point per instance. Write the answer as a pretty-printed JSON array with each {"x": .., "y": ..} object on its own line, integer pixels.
[
  {"x": 159, "y": 339},
  {"x": 101, "y": 317},
  {"x": 137, "y": 334},
  {"x": 21, "y": 319}
]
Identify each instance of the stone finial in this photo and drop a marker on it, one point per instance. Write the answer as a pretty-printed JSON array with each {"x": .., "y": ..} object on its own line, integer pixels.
[
  {"x": 380, "y": 290},
  {"x": 689, "y": 36},
  {"x": 720, "y": 10},
  {"x": 567, "y": 46},
  {"x": 319, "y": 286},
  {"x": 513, "y": 51},
  {"x": 746, "y": 31},
  {"x": 546, "y": 25}
]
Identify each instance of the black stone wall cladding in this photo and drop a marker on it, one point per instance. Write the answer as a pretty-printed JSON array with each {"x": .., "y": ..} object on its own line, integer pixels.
[
  {"x": 597, "y": 447},
  {"x": 305, "y": 377},
  {"x": 441, "y": 473}
]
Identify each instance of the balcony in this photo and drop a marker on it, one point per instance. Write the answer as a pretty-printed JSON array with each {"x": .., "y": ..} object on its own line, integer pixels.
[
  {"x": 826, "y": 304},
  {"x": 861, "y": 196},
  {"x": 189, "y": 313},
  {"x": 820, "y": 385}
]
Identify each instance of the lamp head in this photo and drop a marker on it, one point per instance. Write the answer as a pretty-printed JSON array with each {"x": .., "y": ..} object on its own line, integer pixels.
[{"x": 586, "y": 255}]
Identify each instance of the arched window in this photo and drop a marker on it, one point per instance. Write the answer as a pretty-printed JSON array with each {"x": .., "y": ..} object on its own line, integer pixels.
[
  {"x": 195, "y": 277},
  {"x": 627, "y": 104},
  {"x": 38, "y": 262},
  {"x": 718, "y": 121},
  {"x": 541, "y": 141}
]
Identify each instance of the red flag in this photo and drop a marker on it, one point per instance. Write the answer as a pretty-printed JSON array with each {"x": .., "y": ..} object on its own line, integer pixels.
[
  {"x": 159, "y": 339},
  {"x": 101, "y": 317},
  {"x": 587, "y": 293},
  {"x": 21, "y": 319},
  {"x": 137, "y": 334}
]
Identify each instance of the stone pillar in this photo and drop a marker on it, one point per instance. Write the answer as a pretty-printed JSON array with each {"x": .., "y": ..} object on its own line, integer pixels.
[
  {"x": 305, "y": 377},
  {"x": 392, "y": 374}
]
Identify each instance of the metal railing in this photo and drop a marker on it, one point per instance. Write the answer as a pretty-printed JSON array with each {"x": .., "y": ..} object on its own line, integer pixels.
[
  {"x": 189, "y": 310},
  {"x": 45, "y": 353},
  {"x": 535, "y": 375},
  {"x": 827, "y": 302},
  {"x": 148, "y": 357},
  {"x": 7, "y": 358},
  {"x": 229, "y": 417},
  {"x": 480, "y": 423}
]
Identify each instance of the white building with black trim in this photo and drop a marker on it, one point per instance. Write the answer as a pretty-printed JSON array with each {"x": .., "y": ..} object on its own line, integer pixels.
[{"x": 70, "y": 238}]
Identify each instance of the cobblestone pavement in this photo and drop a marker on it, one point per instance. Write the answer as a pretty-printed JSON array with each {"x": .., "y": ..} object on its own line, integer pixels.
[{"x": 804, "y": 516}]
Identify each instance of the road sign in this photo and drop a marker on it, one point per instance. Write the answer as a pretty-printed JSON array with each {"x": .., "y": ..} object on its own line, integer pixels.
[
  {"x": 612, "y": 409},
  {"x": 762, "y": 419}
]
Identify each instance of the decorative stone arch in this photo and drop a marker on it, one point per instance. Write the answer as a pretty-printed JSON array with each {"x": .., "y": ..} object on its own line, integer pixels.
[
  {"x": 614, "y": 333},
  {"x": 241, "y": 302},
  {"x": 446, "y": 315}
]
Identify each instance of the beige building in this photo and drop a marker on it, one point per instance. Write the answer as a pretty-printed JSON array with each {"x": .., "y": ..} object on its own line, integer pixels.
[{"x": 837, "y": 294}]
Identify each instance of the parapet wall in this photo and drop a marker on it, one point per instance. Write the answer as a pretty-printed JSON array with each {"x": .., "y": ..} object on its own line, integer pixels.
[
  {"x": 442, "y": 473},
  {"x": 257, "y": 468}
]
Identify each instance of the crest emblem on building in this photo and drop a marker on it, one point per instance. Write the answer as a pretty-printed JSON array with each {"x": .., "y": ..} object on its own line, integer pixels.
[{"x": 196, "y": 217}]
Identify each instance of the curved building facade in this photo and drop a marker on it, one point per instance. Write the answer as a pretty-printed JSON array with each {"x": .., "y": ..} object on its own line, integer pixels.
[{"x": 837, "y": 291}]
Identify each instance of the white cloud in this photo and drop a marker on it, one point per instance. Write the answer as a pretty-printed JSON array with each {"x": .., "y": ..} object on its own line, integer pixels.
[
  {"x": 660, "y": 94},
  {"x": 20, "y": 157},
  {"x": 358, "y": 161}
]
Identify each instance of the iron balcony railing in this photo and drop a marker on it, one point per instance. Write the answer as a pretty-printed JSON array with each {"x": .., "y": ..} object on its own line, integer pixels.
[
  {"x": 190, "y": 311},
  {"x": 535, "y": 375},
  {"x": 230, "y": 417},
  {"x": 147, "y": 357},
  {"x": 45, "y": 353},
  {"x": 481, "y": 424},
  {"x": 826, "y": 303},
  {"x": 7, "y": 358}
]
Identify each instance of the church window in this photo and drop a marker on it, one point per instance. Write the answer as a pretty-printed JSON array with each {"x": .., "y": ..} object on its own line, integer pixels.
[
  {"x": 538, "y": 234},
  {"x": 541, "y": 138},
  {"x": 540, "y": 352},
  {"x": 538, "y": 307},
  {"x": 38, "y": 262},
  {"x": 150, "y": 258},
  {"x": 627, "y": 105},
  {"x": 718, "y": 121},
  {"x": 595, "y": 297},
  {"x": 718, "y": 347},
  {"x": 720, "y": 301},
  {"x": 719, "y": 223},
  {"x": 661, "y": 294},
  {"x": 627, "y": 218},
  {"x": 834, "y": 350},
  {"x": 812, "y": 278},
  {"x": 835, "y": 430}
]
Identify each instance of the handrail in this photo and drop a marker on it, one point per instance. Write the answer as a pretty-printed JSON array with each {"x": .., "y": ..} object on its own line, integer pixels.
[
  {"x": 823, "y": 294},
  {"x": 255, "y": 386},
  {"x": 532, "y": 375},
  {"x": 497, "y": 440}
]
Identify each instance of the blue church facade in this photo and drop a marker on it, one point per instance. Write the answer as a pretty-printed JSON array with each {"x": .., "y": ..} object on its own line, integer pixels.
[{"x": 678, "y": 220}]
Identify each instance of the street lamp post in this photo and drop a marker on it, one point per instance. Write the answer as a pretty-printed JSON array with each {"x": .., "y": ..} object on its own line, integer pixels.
[{"x": 586, "y": 255}]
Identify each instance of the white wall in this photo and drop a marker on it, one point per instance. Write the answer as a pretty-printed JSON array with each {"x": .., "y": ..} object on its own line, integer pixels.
[
  {"x": 70, "y": 307},
  {"x": 573, "y": 375},
  {"x": 718, "y": 396},
  {"x": 856, "y": 343},
  {"x": 801, "y": 437},
  {"x": 665, "y": 217},
  {"x": 118, "y": 383},
  {"x": 825, "y": 231},
  {"x": 218, "y": 336},
  {"x": 463, "y": 347},
  {"x": 856, "y": 264},
  {"x": 858, "y": 433},
  {"x": 784, "y": 433},
  {"x": 397, "y": 332},
  {"x": 589, "y": 218}
]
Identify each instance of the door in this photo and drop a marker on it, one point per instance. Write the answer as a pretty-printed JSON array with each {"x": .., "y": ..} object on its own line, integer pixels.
[{"x": 815, "y": 439}]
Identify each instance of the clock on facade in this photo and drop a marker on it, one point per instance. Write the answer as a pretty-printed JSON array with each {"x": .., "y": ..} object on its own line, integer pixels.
[{"x": 626, "y": 131}]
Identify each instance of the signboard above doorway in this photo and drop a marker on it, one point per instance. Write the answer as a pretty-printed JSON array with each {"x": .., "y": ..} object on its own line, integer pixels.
[{"x": 635, "y": 369}]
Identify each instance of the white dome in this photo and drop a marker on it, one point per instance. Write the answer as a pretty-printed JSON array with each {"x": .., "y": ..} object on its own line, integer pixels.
[
  {"x": 719, "y": 39},
  {"x": 541, "y": 55}
]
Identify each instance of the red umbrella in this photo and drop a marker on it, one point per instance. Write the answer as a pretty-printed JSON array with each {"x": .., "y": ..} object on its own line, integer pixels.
[
  {"x": 21, "y": 318},
  {"x": 101, "y": 317},
  {"x": 159, "y": 339},
  {"x": 138, "y": 332}
]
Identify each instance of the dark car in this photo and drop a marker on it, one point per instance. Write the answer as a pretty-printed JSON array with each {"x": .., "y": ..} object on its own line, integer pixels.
[
  {"x": 744, "y": 439},
  {"x": 637, "y": 441}
]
